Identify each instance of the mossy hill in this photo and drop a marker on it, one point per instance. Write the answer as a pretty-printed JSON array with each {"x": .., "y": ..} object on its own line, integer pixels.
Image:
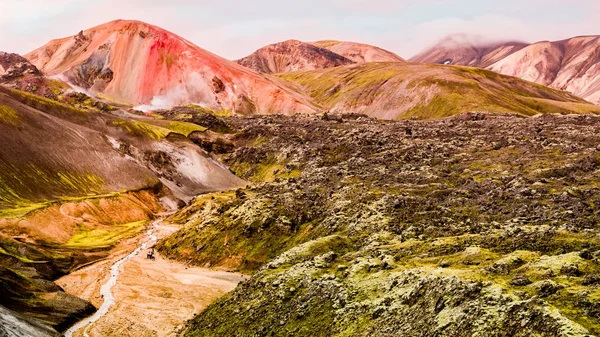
[{"x": 405, "y": 90}]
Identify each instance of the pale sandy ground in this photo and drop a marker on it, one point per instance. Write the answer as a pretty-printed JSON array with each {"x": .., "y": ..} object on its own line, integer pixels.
[{"x": 153, "y": 298}]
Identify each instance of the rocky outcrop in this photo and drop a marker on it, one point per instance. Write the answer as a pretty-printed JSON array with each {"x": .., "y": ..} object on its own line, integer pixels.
[
  {"x": 18, "y": 73},
  {"x": 14, "y": 66}
]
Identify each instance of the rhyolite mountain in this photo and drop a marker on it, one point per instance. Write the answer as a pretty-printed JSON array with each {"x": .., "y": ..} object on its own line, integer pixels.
[
  {"x": 359, "y": 52},
  {"x": 292, "y": 55},
  {"x": 134, "y": 63},
  {"x": 572, "y": 65},
  {"x": 467, "y": 50},
  {"x": 137, "y": 64}
]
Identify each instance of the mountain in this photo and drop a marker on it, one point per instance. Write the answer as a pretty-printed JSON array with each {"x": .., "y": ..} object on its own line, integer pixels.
[
  {"x": 359, "y": 52},
  {"x": 572, "y": 65},
  {"x": 467, "y": 51},
  {"x": 403, "y": 90},
  {"x": 292, "y": 55},
  {"x": 18, "y": 73},
  {"x": 50, "y": 150},
  {"x": 134, "y": 63},
  {"x": 67, "y": 175}
]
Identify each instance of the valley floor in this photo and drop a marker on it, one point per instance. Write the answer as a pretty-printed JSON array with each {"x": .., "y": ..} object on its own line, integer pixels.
[{"x": 153, "y": 298}]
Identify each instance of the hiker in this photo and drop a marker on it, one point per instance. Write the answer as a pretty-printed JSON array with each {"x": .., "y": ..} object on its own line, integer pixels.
[{"x": 151, "y": 254}]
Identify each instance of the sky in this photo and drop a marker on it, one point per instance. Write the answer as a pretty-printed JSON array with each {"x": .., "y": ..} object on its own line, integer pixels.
[{"x": 234, "y": 29}]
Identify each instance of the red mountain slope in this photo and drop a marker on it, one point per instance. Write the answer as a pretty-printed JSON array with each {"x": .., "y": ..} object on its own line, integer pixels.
[{"x": 136, "y": 63}]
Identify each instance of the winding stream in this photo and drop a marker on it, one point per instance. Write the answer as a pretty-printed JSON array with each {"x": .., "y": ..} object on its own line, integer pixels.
[{"x": 106, "y": 288}]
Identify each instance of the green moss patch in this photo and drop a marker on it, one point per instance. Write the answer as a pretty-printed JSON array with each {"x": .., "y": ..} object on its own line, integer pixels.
[
  {"x": 8, "y": 115},
  {"x": 182, "y": 128},
  {"x": 104, "y": 237}
]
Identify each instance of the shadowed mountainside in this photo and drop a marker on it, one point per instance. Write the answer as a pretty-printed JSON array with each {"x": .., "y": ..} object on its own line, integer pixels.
[{"x": 51, "y": 150}]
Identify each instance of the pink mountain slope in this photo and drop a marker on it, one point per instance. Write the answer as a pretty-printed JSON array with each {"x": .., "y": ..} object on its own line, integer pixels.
[{"x": 135, "y": 63}]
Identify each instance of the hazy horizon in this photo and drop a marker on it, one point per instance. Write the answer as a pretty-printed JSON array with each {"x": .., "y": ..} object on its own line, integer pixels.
[{"x": 234, "y": 31}]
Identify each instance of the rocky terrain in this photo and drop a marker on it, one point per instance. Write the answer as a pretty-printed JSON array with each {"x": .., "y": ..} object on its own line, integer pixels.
[
  {"x": 475, "y": 225},
  {"x": 17, "y": 72},
  {"x": 570, "y": 65},
  {"x": 404, "y": 90},
  {"x": 362, "y": 193},
  {"x": 134, "y": 63}
]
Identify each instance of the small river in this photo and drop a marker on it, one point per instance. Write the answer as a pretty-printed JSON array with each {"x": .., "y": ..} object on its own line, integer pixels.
[{"x": 106, "y": 289}]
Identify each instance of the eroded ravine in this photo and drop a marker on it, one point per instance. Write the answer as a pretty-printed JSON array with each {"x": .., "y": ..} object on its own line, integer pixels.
[{"x": 145, "y": 297}]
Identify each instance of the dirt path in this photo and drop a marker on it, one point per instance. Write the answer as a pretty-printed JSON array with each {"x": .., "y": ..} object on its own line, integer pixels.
[{"x": 152, "y": 298}]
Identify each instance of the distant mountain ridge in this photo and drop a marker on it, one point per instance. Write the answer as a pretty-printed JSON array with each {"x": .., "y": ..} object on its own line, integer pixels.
[
  {"x": 139, "y": 65},
  {"x": 359, "y": 52},
  {"x": 294, "y": 55},
  {"x": 572, "y": 64}
]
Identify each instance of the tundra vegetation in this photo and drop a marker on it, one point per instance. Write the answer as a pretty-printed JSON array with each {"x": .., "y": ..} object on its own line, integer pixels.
[{"x": 479, "y": 224}]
